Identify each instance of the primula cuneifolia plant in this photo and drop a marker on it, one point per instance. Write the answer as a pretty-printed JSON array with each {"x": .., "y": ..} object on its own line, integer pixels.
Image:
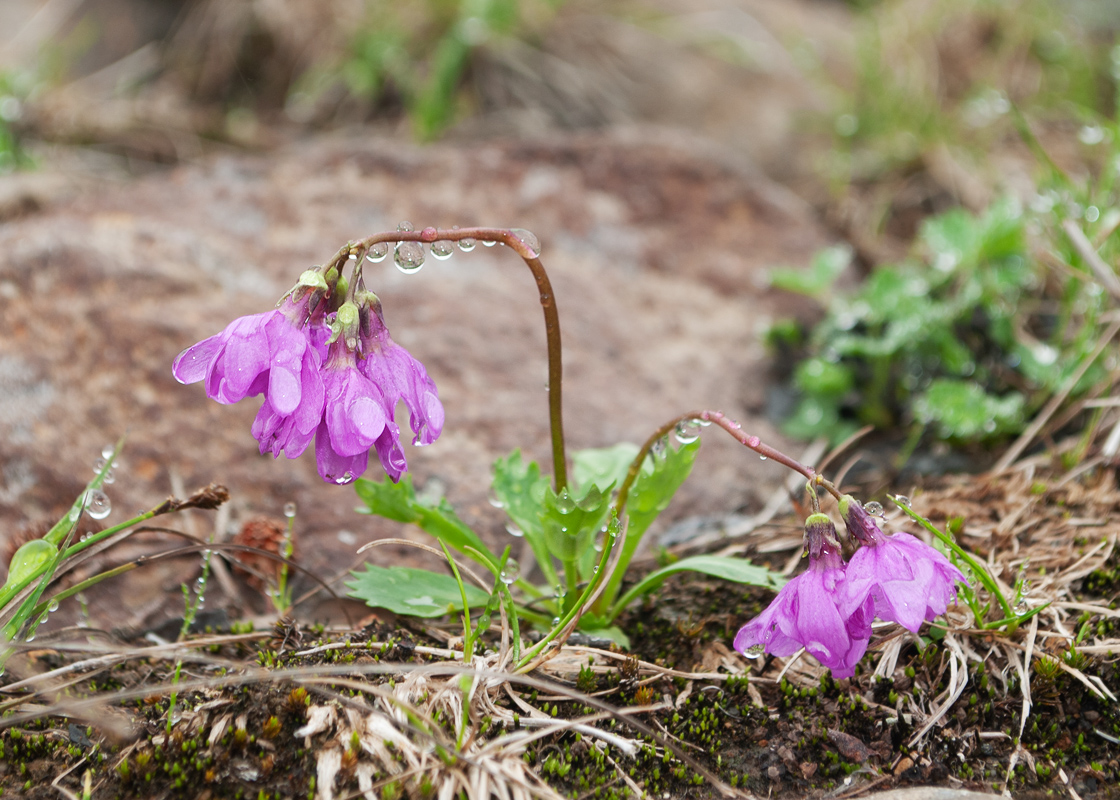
[{"x": 328, "y": 370}]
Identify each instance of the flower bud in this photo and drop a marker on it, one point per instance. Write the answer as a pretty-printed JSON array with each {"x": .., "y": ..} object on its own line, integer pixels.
[
  {"x": 820, "y": 536},
  {"x": 859, "y": 522}
]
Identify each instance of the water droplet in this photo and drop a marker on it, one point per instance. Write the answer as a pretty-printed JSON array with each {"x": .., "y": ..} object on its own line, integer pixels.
[
  {"x": 529, "y": 238},
  {"x": 405, "y": 226},
  {"x": 511, "y": 572},
  {"x": 704, "y": 423},
  {"x": 658, "y": 447},
  {"x": 442, "y": 250},
  {"x": 874, "y": 509},
  {"x": 903, "y": 500},
  {"x": 107, "y": 451},
  {"x": 762, "y": 458},
  {"x": 99, "y": 464},
  {"x": 753, "y": 441},
  {"x": 52, "y": 606},
  {"x": 595, "y": 570},
  {"x": 755, "y": 650},
  {"x": 289, "y": 510},
  {"x": 466, "y": 245},
  {"x": 377, "y": 252},
  {"x": 98, "y": 504},
  {"x": 345, "y": 477},
  {"x": 110, "y": 477},
  {"x": 688, "y": 431},
  {"x": 555, "y": 622},
  {"x": 31, "y": 637},
  {"x": 75, "y": 512},
  {"x": 496, "y": 502},
  {"x": 409, "y": 257},
  {"x": 488, "y": 244},
  {"x": 515, "y": 531},
  {"x": 565, "y": 504}
]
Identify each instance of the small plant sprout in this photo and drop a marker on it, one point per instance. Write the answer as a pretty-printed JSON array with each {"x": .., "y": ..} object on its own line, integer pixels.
[
  {"x": 24, "y": 599},
  {"x": 328, "y": 371}
]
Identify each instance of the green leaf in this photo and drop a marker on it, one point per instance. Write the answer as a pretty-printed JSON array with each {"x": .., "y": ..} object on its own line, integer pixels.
[
  {"x": 413, "y": 592},
  {"x": 824, "y": 378},
  {"x": 611, "y": 632},
  {"x": 568, "y": 522},
  {"x": 656, "y": 484},
  {"x": 520, "y": 488},
  {"x": 603, "y": 466},
  {"x": 963, "y": 410},
  {"x": 398, "y": 501},
  {"x": 818, "y": 279},
  {"x": 661, "y": 475},
  {"x": 730, "y": 569}
]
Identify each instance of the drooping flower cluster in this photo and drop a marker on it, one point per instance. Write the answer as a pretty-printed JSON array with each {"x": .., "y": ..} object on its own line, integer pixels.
[
  {"x": 328, "y": 370},
  {"x": 828, "y": 609}
]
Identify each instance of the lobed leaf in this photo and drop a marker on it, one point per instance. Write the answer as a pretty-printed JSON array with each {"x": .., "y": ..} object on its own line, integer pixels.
[
  {"x": 398, "y": 501},
  {"x": 412, "y": 592}
]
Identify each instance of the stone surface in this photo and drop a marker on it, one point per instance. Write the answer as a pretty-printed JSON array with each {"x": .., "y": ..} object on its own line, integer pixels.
[{"x": 657, "y": 247}]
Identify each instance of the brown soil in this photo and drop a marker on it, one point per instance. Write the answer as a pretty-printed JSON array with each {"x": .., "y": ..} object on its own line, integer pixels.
[{"x": 767, "y": 727}]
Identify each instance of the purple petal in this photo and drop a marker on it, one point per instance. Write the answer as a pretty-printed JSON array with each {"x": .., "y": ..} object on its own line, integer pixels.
[
  {"x": 402, "y": 377},
  {"x": 354, "y": 411},
  {"x": 819, "y": 625},
  {"x": 192, "y": 364},
  {"x": 335, "y": 468},
  {"x": 389, "y": 452},
  {"x": 287, "y": 346},
  {"x": 242, "y": 359}
]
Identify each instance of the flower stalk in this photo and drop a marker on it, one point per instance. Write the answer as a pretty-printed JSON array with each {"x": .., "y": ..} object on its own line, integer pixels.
[{"x": 548, "y": 305}]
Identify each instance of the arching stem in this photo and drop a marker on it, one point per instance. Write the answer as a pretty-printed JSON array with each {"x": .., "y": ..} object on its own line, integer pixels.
[
  {"x": 548, "y": 305},
  {"x": 733, "y": 428}
]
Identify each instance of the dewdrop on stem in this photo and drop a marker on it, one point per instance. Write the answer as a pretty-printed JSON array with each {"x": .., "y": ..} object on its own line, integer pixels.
[
  {"x": 98, "y": 505},
  {"x": 409, "y": 257},
  {"x": 510, "y": 573},
  {"x": 377, "y": 252},
  {"x": 687, "y": 431}
]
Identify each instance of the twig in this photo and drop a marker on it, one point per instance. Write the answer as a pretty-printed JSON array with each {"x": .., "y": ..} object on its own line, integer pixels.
[
  {"x": 1089, "y": 253},
  {"x": 1027, "y": 436}
]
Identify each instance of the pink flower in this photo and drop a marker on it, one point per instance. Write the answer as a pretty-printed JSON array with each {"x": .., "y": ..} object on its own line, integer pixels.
[
  {"x": 908, "y": 581},
  {"x": 334, "y": 377},
  {"x": 399, "y": 375},
  {"x": 354, "y": 416},
  {"x": 806, "y": 613}
]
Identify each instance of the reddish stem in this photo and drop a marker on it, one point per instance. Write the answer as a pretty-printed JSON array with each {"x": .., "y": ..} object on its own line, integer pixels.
[
  {"x": 736, "y": 430},
  {"x": 548, "y": 305}
]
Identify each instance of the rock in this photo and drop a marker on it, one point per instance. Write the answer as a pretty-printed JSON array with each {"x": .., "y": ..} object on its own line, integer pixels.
[
  {"x": 658, "y": 248},
  {"x": 928, "y": 793}
]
